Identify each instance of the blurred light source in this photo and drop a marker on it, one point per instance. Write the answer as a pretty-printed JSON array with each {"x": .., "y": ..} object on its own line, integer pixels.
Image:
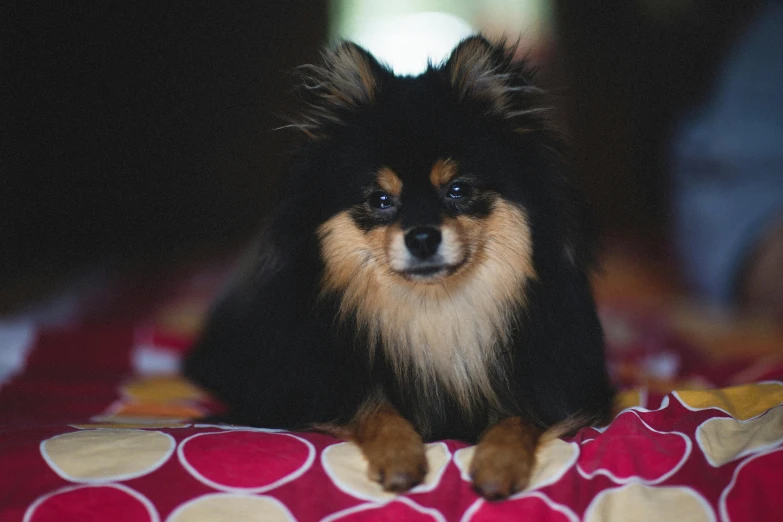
[{"x": 407, "y": 42}]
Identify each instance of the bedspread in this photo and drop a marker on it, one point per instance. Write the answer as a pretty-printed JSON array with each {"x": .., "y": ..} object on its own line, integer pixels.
[{"x": 94, "y": 425}]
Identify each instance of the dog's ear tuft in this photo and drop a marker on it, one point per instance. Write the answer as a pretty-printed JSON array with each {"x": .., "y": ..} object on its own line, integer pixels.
[
  {"x": 485, "y": 72},
  {"x": 347, "y": 78}
]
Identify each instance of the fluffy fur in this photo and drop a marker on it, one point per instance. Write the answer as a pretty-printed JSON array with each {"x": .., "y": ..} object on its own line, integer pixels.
[{"x": 486, "y": 314}]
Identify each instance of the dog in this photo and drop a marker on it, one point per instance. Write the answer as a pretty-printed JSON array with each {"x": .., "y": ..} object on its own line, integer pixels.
[{"x": 424, "y": 276}]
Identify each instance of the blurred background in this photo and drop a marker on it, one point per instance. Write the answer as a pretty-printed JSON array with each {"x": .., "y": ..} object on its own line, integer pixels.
[{"x": 137, "y": 141}]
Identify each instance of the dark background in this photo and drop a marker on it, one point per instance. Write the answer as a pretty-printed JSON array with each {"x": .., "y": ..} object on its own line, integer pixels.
[
  {"x": 632, "y": 69},
  {"x": 134, "y": 139}
]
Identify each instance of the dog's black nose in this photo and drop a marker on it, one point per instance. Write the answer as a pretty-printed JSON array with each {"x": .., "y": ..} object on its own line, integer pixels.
[{"x": 423, "y": 242}]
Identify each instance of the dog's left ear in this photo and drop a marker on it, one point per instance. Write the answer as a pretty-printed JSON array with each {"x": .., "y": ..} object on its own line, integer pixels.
[
  {"x": 347, "y": 78},
  {"x": 483, "y": 72}
]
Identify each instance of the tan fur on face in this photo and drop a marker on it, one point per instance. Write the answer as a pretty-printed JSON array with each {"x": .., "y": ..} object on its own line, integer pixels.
[
  {"x": 442, "y": 172},
  {"x": 389, "y": 181},
  {"x": 451, "y": 332}
]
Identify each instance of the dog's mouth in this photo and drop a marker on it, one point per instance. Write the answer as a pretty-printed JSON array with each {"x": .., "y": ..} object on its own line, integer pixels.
[{"x": 430, "y": 272}]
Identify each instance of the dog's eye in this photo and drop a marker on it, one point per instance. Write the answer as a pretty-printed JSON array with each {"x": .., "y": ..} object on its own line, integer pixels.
[
  {"x": 458, "y": 190},
  {"x": 380, "y": 200}
]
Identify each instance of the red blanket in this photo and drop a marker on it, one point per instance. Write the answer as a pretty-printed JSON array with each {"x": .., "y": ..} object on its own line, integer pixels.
[{"x": 94, "y": 426}]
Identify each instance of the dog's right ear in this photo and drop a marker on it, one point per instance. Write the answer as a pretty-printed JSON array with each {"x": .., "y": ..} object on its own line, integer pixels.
[{"x": 348, "y": 78}]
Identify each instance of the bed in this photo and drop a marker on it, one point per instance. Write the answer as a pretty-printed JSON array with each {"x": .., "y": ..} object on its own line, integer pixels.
[{"x": 95, "y": 424}]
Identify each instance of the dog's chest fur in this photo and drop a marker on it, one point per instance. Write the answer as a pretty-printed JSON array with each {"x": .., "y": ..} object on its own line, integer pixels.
[{"x": 441, "y": 340}]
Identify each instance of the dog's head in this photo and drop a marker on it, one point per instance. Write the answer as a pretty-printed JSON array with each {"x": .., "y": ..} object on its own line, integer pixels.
[
  {"x": 440, "y": 180},
  {"x": 435, "y": 201}
]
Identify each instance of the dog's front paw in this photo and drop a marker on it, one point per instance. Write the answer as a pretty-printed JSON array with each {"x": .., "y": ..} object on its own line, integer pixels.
[
  {"x": 500, "y": 471},
  {"x": 504, "y": 459},
  {"x": 397, "y": 466}
]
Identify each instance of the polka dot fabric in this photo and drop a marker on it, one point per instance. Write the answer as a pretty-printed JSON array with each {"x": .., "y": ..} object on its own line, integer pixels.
[{"x": 89, "y": 432}]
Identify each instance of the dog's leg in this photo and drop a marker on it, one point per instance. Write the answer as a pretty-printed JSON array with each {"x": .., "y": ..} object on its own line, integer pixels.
[
  {"x": 504, "y": 458},
  {"x": 393, "y": 448}
]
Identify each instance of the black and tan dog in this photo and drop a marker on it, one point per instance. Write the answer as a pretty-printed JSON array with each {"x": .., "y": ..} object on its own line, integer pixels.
[{"x": 423, "y": 277}]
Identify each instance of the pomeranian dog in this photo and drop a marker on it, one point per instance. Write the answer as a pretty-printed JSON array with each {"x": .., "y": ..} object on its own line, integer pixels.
[{"x": 424, "y": 276}]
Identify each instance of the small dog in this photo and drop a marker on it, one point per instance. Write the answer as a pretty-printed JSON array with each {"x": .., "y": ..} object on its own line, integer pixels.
[{"x": 424, "y": 276}]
